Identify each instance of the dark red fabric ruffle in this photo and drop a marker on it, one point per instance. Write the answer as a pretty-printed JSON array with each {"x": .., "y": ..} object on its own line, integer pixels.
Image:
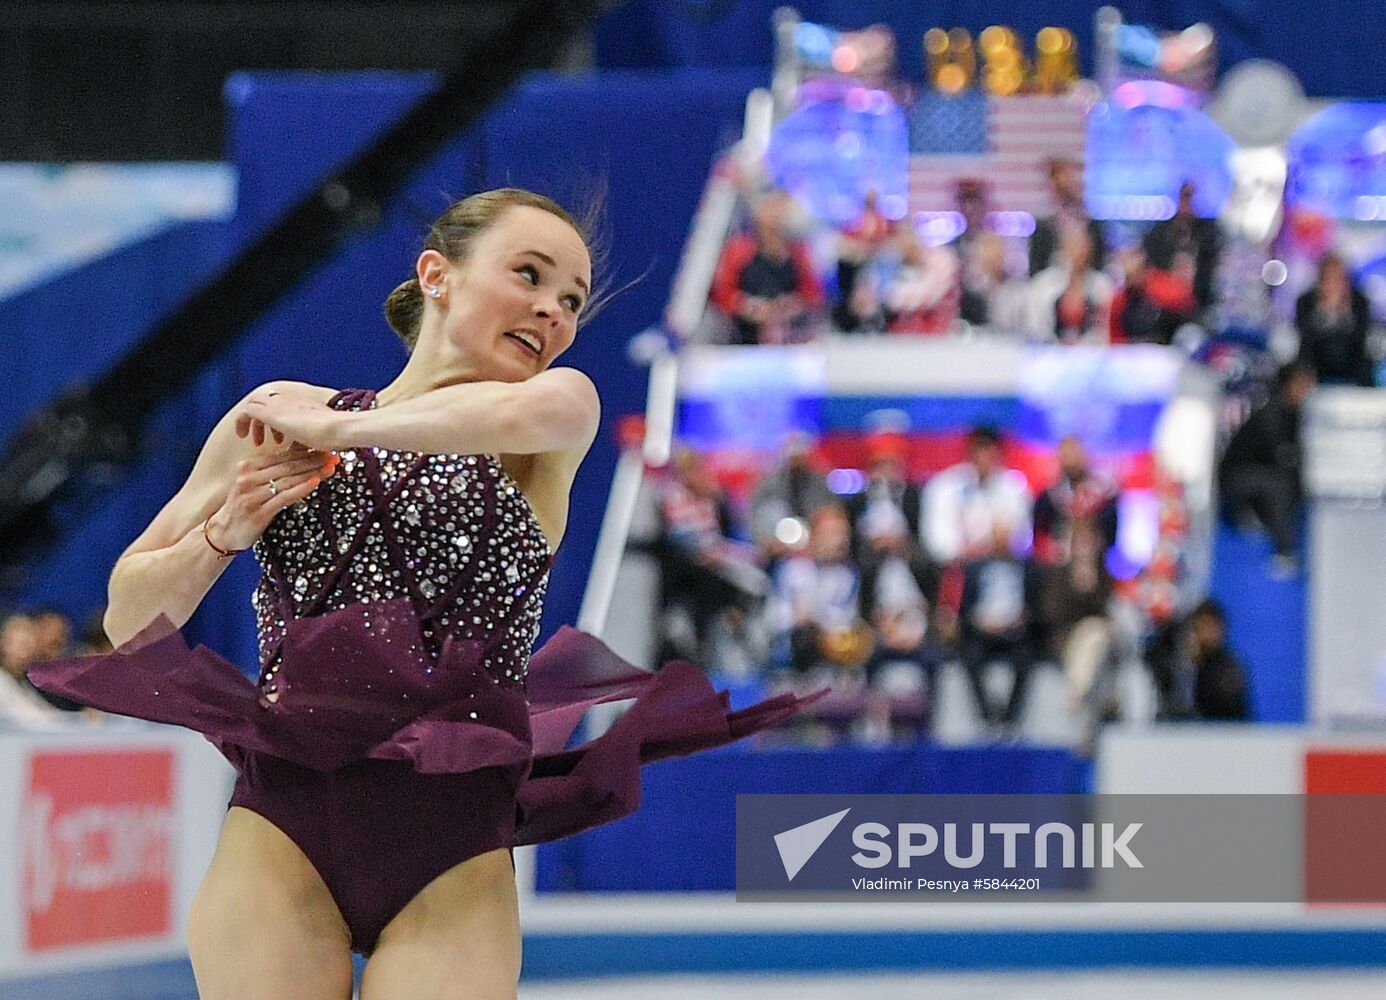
[{"x": 357, "y": 684}]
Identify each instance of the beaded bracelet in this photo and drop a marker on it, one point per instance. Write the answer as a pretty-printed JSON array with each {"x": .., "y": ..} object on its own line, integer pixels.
[{"x": 223, "y": 553}]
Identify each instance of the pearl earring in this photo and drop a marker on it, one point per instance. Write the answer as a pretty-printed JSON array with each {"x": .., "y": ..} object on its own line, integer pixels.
[{"x": 435, "y": 292}]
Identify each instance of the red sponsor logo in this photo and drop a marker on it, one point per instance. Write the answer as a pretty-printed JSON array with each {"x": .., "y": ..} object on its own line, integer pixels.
[
  {"x": 1345, "y": 810},
  {"x": 96, "y": 843}
]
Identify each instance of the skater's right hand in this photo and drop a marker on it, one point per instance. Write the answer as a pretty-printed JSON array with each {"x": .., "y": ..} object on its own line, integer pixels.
[{"x": 251, "y": 505}]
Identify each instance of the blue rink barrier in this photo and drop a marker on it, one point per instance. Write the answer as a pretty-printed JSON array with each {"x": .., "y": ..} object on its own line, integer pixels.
[
  {"x": 572, "y": 956},
  {"x": 582, "y": 955},
  {"x": 683, "y": 837}
]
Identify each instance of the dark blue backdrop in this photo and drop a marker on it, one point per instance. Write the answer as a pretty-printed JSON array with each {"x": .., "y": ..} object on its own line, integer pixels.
[
  {"x": 1331, "y": 47},
  {"x": 683, "y": 836}
]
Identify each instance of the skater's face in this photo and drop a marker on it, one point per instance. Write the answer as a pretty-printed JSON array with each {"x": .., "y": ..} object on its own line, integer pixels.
[{"x": 512, "y": 306}]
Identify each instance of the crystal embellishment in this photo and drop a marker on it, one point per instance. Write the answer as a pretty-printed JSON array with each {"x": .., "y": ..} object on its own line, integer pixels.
[{"x": 461, "y": 532}]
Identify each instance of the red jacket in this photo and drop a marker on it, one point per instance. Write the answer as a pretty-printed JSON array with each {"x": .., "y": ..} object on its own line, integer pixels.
[{"x": 739, "y": 251}]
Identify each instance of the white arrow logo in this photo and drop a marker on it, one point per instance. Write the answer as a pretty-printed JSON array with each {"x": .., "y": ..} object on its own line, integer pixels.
[{"x": 796, "y": 846}]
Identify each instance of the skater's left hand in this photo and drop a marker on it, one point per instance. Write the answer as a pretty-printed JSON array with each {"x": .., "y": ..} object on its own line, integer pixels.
[{"x": 286, "y": 414}]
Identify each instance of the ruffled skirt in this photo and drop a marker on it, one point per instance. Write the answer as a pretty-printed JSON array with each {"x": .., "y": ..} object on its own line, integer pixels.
[{"x": 356, "y": 684}]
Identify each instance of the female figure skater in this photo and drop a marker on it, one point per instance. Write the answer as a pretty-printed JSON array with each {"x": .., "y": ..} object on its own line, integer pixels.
[{"x": 400, "y": 738}]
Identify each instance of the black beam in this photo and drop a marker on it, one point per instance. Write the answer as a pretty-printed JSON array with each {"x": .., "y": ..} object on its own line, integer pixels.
[{"x": 89, "y": 431}]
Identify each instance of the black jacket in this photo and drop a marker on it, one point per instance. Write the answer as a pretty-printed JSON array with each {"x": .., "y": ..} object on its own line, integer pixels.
[
  {"x": 1044, "y": 243},
  {"x": 1337, "y": 352},
  {"x": 1220, "y": 690},
  {"x": 1269, "y": 440}
]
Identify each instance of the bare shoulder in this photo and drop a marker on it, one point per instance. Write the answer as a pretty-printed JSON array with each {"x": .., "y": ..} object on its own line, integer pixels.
[
  {"x": 546, "y": 477},
  {"x": 569, "y": 391}
]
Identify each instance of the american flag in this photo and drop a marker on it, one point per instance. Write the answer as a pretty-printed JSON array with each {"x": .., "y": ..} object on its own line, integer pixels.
[{"x": 1005, "y": 141}]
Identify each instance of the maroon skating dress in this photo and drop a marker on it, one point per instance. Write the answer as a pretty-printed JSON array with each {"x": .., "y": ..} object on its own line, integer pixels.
[{"x": 400, "y": 724}]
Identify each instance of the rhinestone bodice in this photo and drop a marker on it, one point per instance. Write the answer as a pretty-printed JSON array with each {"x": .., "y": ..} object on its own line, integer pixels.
[{"x": 453, "y": 533}]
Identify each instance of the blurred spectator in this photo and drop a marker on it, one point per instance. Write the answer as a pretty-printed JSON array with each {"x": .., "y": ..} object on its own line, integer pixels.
[
  {"x": 899, "y": 583},
  {"x": 925, "y": 292},
  {"x": 858, "y": 303},
  {"x": 1197, "y": 674},
  {"x": 898, "y": 593},
  {"x": 704, "y": 570},
  {"x": 888, "y": 508},
  {"x": 1333, "y": 318},
  {"x": 1071, "y": 298},
  {"x": 765, "y": 279},
  {"x": 964, "y": 503},
  {"x": 1220, "y": 687},
  {"x": 972, "y": 206},
  {"x": 94, "y": 638},
  {"x": 1260, "y": 472},
  {"x": 815, "y": 601},
  {"x": 1076, "y": 592},
  {"x": 1187, "y": 245},
  {"x": 1078, "y": 493},
  {"x": 1070, "y": 216},
  {"x": 1007, "y": 297},
  {"x": 998, "y": 620},
  {"x": 53, "y": 631},
  {"x": 1075, "y": 527},
  {"x": 20, "y": 702},
  {"x": 1151, "y": 305},
  {"x": 794, "y": 488}
]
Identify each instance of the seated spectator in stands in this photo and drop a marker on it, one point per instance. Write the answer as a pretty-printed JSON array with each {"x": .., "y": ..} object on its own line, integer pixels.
[
  {"x": 53, "y": 631},
  {"x": 21, "y": 704},
  {"x": 814, "y": 609},
  {"x": 1198, "y": 676},
  {"x": 765, "y": 279},
  {"x": 1007, "y": 297},
  {"x": 858, "y": 305},
  {"x": 889, "y": 505},
  {"x": 94, "y": 637},
  {"x": 1220, "y": 684},
  {"x": 1260, "y": 473},
  {"x": 1075, "y": 528},
  {"x": 964, "y": 503},
  {"x": 899, "y": 582},
  {"x": 1076, "y": 592},
  {"x": 1187, "y": 244},
  {"x": 1151, "y": 305},
  {"x": 704, "y": 570},
  {"x": 1070, "y": 216},
  {"x": 1077, "y": 493},
  {"x": 972, "y": 206},
  {"x": 794, "y": 488},
  {"x": 1071, "y": 299},
  {"x": 1333, "y": 318},
  {"x": 898, "y": 592},
  {"x": 924, "y": 294},
  {"x": 999, "y": 620}
]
